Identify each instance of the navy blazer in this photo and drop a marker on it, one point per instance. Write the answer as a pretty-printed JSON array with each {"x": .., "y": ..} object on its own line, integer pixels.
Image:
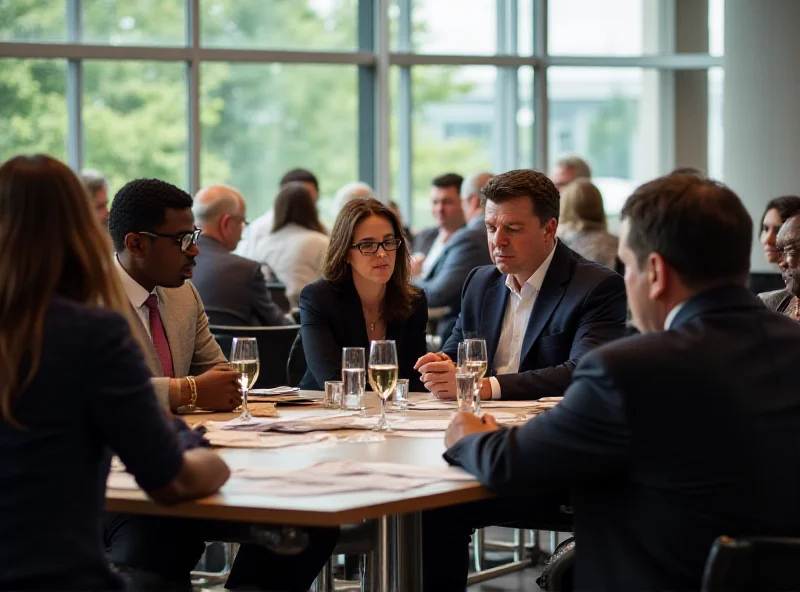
[
  {"x": 669, "y": 440},
  {"x": 331, "y": 318},
  {"x": 466, "y": 250},
  {"x": 581, "y": 305}
]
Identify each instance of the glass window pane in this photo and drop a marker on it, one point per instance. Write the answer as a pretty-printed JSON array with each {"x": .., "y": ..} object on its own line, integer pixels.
[
  {"x": 589, "y": 27},
  {"x": 134, "y": 120},
  {"x": 439, "y": 27},
  {"x": 610, "y": 117},
  {"x": 280, "y": 24},
  {"x": 261, "y": 120},
  {"x": 33, "y": 20},
  {"x": 716, "y": 130},
  {"x": 525, "y": 119},
  {"x": 33, "y": 107},
  {"x": 134, "y": 22}
]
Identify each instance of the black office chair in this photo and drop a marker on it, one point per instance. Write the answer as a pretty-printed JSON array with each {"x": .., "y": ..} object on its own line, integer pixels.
[
  {"x": 766, "y": 564},
  {"x": 278, "y": 293},
  {"x": 274, "y": 344}
]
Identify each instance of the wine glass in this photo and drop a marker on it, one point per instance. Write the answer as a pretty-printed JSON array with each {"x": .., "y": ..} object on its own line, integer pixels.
[
  {"x": 477, "y": 362},
  {"x": 382, "y": 372},
  {"x": 244, "y": 360}
]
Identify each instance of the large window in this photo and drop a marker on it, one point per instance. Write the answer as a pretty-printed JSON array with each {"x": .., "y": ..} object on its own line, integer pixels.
[
  {"x": 261, "y": 120},
  {"x": 239, "y": 91}
]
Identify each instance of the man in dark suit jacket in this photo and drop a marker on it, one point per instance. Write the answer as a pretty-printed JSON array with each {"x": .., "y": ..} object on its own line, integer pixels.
[
  {"x": 540, "y": 308},
  {"x": 446, "y": 210},
  {"x": 671, "y": 438},
  {"x": 466, "y": 250},
  {"x": 232, "y": 288}
]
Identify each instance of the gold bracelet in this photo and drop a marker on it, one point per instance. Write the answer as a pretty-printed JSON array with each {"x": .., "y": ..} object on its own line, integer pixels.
[{"x": 192, "y": 392}]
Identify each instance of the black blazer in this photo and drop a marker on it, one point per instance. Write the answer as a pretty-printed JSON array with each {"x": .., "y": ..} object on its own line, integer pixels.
[
  {"x": 331, "y": 318},
  {"x": 668, "y": 439},
  {"x": 232, "y": 288},
  {"x": 581, "y": 305}
]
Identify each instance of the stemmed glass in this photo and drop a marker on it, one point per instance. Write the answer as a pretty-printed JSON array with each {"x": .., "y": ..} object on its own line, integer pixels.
[
  {"x": 244, "y": 360},
  {"x": 477, "y": 362},
  {"x": 382, "y": 372}
]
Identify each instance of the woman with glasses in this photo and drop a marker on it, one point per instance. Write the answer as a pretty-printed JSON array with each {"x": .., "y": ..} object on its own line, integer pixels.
[
  {"x": 295, "y": 247},
  {"x": 73, "y": 388},
  {"x": 365, "y": 295}
]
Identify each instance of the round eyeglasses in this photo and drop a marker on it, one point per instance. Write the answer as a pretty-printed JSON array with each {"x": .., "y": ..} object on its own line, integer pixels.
[{"x": 371, "y": 247}]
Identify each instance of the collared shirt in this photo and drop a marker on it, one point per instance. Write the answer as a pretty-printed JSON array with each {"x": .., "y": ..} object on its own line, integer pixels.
[
  {"x": 136, "y": 294},
  {"x": 515, "y": 322},
  {"x": 672, "y": 314},
  {"x": 432, "y": 256}
]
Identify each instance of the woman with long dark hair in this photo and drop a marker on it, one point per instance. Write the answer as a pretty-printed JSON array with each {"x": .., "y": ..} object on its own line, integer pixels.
[
  {"x": 73, "y": 388},
  {"x": 365, "y": 294}
]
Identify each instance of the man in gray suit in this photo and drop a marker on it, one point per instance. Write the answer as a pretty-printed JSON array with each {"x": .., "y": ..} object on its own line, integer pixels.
[
  {"x": 152, "y": 227},
  {"x": 465, "y": 250},
  {"x": 233, "y": 288},
  {"x": 446, "y": 210}
]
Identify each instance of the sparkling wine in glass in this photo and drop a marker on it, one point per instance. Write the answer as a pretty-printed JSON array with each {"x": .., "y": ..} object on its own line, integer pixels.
[
  {"x": 382, "y": 372},
  {"x": 244, "y": 361},
  {"x": 477, "y": 362}
]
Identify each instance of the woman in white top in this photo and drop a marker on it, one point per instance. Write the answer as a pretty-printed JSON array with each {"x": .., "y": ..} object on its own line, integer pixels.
[{"x": 295, "y": 248}]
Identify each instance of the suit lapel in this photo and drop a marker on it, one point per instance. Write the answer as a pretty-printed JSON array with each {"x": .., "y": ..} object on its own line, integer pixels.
[
  {"x": 172, "y": 329},
  {"x": 353, "y": 313},
  {"x": 558, "y": 274},
  {"x": 494, "y": 307}
]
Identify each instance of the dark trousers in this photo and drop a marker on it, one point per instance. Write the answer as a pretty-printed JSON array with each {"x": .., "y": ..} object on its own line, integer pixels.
[
  {"x": 446, "y": 533},
  {"x": 169, "y": 548}
]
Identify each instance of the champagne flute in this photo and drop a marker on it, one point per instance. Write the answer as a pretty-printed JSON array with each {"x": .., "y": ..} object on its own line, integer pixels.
[
  {"x": 382, "y": 372},
  {"x": 244, "y": 360},
  {"x": 477, "y": 362}
]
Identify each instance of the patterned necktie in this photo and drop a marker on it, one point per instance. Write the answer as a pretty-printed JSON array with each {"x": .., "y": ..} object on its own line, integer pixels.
[{"x": 159, "y": 337}]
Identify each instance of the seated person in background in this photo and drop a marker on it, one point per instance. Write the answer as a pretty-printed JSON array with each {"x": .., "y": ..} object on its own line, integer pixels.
[
  {"x": 466, "y": 250},
  {"x": 569, "y": 168},
  {"x": 262, "y": 226},
  {"x": 97, "y": 187},
  {"x": 582, "y": 223},
  {"x": 74, "y": 388},
  {"x": 446, "y": 209},
  {"x": 295, "y": 247},
  {"x": 540, "y": 308},
  {"x": 365, "y": 295},
  {"x": 232, "y": 288},
  {"x": 347, "y": 193},
  {"x": 787, "y": 301},
  {"x": 408, "y": 236},
  {"x": 669, "y": 439},
  {"x": 778, "y": 211},
  {"x": 152, "y": 227}
]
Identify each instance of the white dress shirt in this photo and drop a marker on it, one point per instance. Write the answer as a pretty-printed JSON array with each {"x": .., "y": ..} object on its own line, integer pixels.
[
  {"x": 136, "y": 294},
  {"x": 672, "y": 314},
  {"x": 253, "y": 235},
  {"x": 515, "y": 322},
  {"x": 432, "y": 256}
]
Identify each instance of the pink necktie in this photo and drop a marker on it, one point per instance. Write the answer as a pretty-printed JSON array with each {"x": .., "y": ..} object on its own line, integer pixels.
[{"x": 159, "y": 337}]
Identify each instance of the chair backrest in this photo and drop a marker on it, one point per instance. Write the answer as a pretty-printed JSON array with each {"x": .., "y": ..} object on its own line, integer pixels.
[
  {"x": 274, "y": 344},
  {"x": 766, "y": 564},
  {"x": 296, "y": 367},
  {"x": 278, "y": 293}
]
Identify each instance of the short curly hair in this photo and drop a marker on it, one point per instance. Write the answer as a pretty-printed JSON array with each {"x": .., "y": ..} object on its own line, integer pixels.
[
  {"x": 528, "y": 183},
  {"x": 141, "y": 205}
]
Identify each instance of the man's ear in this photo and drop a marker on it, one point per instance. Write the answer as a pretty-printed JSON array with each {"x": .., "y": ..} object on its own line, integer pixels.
[
  {"x": 135, "y": 244},
  {"x": 550, "y": 228},
  {"x": 657, "y": 275}
]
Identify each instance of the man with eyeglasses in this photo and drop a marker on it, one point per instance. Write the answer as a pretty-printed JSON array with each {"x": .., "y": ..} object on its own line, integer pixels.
[
  {"x": 152, "y": 227},
  {"x": 787, "y": 301},
  {"x": 233, "y": 288}
]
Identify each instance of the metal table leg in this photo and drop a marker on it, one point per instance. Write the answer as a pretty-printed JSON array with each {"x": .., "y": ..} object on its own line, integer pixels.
[
  {"x": 407, "y": 567},
  {"x": 385, "y": 553}
]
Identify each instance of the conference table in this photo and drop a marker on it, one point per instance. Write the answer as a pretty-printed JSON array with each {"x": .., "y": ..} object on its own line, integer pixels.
[{"x": 397, "y": 513}]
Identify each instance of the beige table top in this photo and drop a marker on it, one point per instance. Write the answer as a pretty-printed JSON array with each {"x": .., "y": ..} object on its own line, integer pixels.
[{"x": 327, "y": 510}]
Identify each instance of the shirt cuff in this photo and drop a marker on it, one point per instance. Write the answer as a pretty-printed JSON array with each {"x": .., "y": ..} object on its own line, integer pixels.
[{"x": 495, "y": 388}]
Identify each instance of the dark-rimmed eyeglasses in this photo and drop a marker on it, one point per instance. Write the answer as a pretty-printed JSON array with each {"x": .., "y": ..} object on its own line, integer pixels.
[
  {"x": 184, "y": 239},
  {"x": 371, "y": 247},
  {"x": 789, "y": 249}
]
